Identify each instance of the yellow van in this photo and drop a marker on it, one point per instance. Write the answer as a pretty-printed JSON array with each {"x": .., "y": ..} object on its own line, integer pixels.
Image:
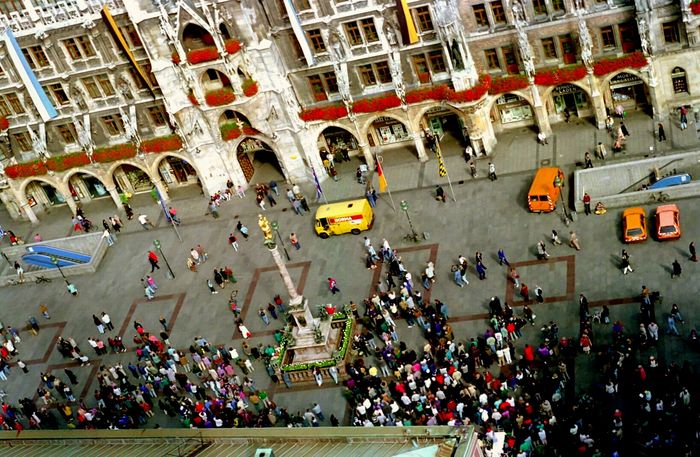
[
  {"x": 543, "y": 194},
  {"x": 352, "y": 216}
]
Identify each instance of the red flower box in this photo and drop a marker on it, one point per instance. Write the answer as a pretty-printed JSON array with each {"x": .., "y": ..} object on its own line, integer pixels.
[
  {"x": 508, "y": 84},
  {"x": 24, "y": 170},
  {"x": 193, "y": 99},
  {"x": 606, "y": 66},
  {"x": 4, "y": 123},
  {"x": 230, "y": 131},
  {"x": 556, "y": 76},
  {"x": 162, "y": 144},
  {"x": 248, "y": 130},
  {"x": 320, "y": 96},
  {"x": 695, "y": 7},
  {"x": 207, "y": 39},
  {"x": 203, "y": 55},
  {"x": 473, "y": 94},
  {"x": 176, "y": 58},
  {"x": 250, "y": 88},
  {"x": 324, "y": 113},
  {"x": 441, "y": 92},
  {"x": 232, "y": 46},
  {"x": 220, "y": 97},
  {"x": 371, "y": 105},
  {"x": 113, "y": 153},
  {"x": 424, "y": 78},
  {"x": 67, "y": 161}
]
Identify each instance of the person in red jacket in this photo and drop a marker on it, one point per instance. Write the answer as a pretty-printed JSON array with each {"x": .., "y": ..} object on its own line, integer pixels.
[{"x": 153, "y": 260}]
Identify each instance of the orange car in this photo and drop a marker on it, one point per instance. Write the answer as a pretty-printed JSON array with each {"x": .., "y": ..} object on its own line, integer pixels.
[
  {"x": 634, "y": 225},
  {"x": 668, "y": 222}
]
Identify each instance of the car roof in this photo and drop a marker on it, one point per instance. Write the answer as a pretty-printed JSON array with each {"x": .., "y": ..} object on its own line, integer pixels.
[
  {"x": 665, "y": 214},
  {"x": 632, "y": 211}
]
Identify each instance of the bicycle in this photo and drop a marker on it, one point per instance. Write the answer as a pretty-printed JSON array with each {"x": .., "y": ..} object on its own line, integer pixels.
[
  {"x": 40, "y": 279},
  {"x": 660, "y": 197},
  {"x": 411, "y": 237},
  {"x": 14, "y": 282}
]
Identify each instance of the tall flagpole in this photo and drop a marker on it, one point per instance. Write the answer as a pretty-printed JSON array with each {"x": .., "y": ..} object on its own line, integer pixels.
[
  {"x": 377, "y": 158},
  {"x": 442, "y": 170}
]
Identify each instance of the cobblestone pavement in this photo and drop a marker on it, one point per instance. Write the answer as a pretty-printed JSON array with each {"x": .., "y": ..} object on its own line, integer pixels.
[{"x": 486, "y": 216}]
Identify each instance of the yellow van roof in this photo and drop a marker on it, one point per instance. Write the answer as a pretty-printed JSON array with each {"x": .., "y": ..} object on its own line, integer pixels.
[
  {"x": 544, "y": 180},
  {"x": 341, "y": 208}
]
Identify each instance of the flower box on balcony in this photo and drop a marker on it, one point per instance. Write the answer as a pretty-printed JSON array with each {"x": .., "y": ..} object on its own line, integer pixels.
[
  {"x": 67, "y": 161},
  {"x": 220, "y": 97},
  {"x": 176, "y": 58},
  {"x": 232, "y": 46},
  {"x": 508, "y": 84},
  {"x": 320, "y": 96},
  {"x": 695, "y": 7},
  {"x": 202, "y": 55},
  {"x": 473, "y": 94},
  {"x": 230, "y": 131},
  {"x": 24, "y": 170},
  {"x": 193, "y": 99},
  {"x": 324, "y": 113},
  {"x": 556, "y": 76},
  {"x": 606, "y": 66},
  {"x": 248, "y": 130},
  {"x": 162, "y": 144},
  {"x": 371, "y": 105},
  {"x": 424, "y": 78},
  {"x": 113, "y": 153},
  {"x": 250, "y": 87},
  {"x": 4, "y": 123}
]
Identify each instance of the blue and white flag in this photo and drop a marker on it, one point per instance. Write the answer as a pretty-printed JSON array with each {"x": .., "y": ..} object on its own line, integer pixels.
[
  {"x": 319, "y": 191},
  {"x": 36, "y": 92}
]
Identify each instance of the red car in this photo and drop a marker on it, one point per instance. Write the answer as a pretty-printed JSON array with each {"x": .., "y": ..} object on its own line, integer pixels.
[{"x": 668, "y": 222}]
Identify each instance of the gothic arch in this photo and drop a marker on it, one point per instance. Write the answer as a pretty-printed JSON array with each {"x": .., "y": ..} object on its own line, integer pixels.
[
  {"x": 365, "y": 129},
  {"x": 637, "y": 73},
  {"x": 586, "y": 90},
  {"x": 522, "y": 94}
]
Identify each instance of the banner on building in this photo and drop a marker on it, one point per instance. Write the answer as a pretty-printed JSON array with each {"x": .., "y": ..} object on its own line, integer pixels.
[
  {"x": 442, "y": 171},
  {"x": 408, "y": 27},
  {"x": 41, "y": 102},
  {"x": 114, "y": 28},
  {"x": 299, "y": 32}
]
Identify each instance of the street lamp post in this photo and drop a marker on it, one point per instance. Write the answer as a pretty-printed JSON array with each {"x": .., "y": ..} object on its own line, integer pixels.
[
  {"x": 54, "y": 260},
  {"x": 170, "y": 274},
  {"x": 275, "y": 226},
  {"x": 404, "y": 208}
]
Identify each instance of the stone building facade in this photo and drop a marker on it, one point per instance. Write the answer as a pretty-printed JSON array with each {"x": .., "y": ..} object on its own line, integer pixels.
[{"x": 162, "y": 93}]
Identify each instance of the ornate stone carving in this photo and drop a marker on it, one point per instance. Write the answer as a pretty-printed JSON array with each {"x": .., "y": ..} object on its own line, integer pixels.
[
  {"x": 38, "y": 144},
  {"x": 397, "y": 76},
  {"x": 523, "y": 43},
  {"x": 585, "y": 41},
  {"x": 644, "y": 37}
]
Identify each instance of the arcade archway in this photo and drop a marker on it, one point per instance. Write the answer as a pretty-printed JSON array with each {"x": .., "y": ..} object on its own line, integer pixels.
[
  {"x": 85, "y": 187},
  {"x": 176, "y": 171},
  {"x": 131, "y": 179},
  {"x": 258, "y": 160}
]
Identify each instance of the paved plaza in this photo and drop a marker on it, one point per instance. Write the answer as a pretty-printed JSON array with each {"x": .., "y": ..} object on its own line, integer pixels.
[{"x": 486, "y": 216}]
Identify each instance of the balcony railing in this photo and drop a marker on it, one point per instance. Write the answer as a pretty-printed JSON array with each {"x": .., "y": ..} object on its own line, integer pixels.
[{"x": 63, "y": 13}]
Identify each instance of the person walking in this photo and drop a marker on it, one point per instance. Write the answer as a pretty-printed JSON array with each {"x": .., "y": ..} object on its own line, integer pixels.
[
  {"x": 555, "y": 238},
  {"x": 145, "y": 222},
  {"x": 98, "y": 323},
  {"x": 153, "y": 260},
  {"x": 210, "y": 285},
  {"x": 263, "y": 316},
  {"x": 481, "y": 270},
  {"x": 318, "y": 376},
  {"x": 573, "y": 241},
  {"x": 163, "y": 323},
  {"x": 472, "y": 168},
  {"x": 44, "y": 311},
  {"x": 539, "y": 296},
  {"x": 107, "y": 321},
  {"x": 219, "y": 278},
  {"x": 502, "y": 258},
  {"x": 333, "y": 286},
  {"x": 148, "y": 290},
  {"x": 440, "y": 194},
  {"x": 586, "y": 203},
  {"x": 626, "y": 265},
  {"x": 295, "y": 241},
  {"x": 623, "y": 129},
  {"x": 272, "y": 310},
  {"x": 151, "y": 282},
  {"x": 676, "y": 313},
  {"x": 676, "y": 269},
  {"x": 601, "y": 151},
  {"x": 542, "y": 251},
  {"x": 671, "y": 326},
  {"x": 515, "y": 277},
  {"x": 492, "y": 172},
  {"x": 20, "y": 272},
  {"x": 22, "y": 365},
  {"x": 71, "y": 376},
  {"x": 662, "y": 132},
  {"x": 587, "y": 160},
  {"x": 524, "y": 292},
  {"x": 243, "y": 229},
  {"x": 333, "y": 371},
  {"x": 457, "y": 274},
  {"x": 233, "y": 241},
  {"x": 693, "y": 254}
]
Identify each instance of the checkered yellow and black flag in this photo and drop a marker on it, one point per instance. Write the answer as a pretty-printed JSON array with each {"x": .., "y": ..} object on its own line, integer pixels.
[{"x": 442, "y": 171}]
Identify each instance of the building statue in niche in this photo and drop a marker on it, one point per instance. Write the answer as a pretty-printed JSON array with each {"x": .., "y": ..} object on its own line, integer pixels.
[
  {"x": 84, "y": 137},
  {"x": 390, "y": 28},
  {"x": 338, "y": 43},
  {"x": 397, "y": 76},
  {"x": 124, "y": 88},
  {"x": 523, "y": 43},
  {"x": 456, "y": 56},
  {"x": 644, "y": 37},
  {"x": 76, "y": 95},
  {"x": 585, "y": 41},
  {"x": 38, "y": 144}
]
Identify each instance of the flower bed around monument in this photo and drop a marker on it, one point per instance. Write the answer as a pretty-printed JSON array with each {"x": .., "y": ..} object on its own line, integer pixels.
[{"x": 339, "y": 354}]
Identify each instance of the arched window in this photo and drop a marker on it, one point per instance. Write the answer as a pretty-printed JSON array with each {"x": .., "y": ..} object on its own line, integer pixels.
[{"x": 679, "y": 80}]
